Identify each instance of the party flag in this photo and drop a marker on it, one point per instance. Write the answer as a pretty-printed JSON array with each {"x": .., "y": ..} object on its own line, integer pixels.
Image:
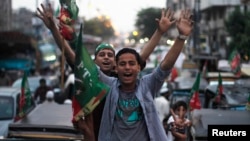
[
  {"x": 71, "y": 7},
  {"x": 174, "y": 74},
  {"x": 195, "y": 100},
  {"x": 219, "y": 91},
  {"x": 89, "y": 91},
  {"x": 235, "y": 62},
  {"x": 25, "y": 98},
  {"x": 57, "y": 11},
  {"x": 248, "y": 103},
  {"x": 67, "y": 17}
]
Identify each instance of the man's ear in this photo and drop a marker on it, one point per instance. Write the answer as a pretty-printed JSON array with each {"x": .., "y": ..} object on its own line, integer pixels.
[{"x": 139, "y": 68}]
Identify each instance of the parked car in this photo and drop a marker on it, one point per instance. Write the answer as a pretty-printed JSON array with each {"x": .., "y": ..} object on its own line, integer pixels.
[
  {"x": 51, "y": 80},
  {"x": 227, "y": 78},
  {"x": 187, "y": 76},
  {"x": 234, "y": 96},
  {"x": 9, "y": 100},
  {"x": 204, "y": 117},
  {"x": 230, "y": 111},
  {"x": 48, "y": 121}
]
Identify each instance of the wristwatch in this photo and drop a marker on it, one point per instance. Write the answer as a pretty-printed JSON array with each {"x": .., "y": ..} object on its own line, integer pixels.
[{"x": 183, "y": 37}]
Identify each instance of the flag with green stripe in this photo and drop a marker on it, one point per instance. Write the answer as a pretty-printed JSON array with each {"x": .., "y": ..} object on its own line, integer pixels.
[
  {"x": 89, "y": 91},
  {"x": 25, "y": 98},
  {"x": 195, "y": 100}
]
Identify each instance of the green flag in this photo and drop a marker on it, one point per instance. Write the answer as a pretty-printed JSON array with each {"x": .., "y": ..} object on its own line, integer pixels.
[
  {"x": 67, "y": 17},
  {"x": 25, "y": 98},
  {"x": 219, "y": 91},
  {"x": 195, "y": 100},
  {"x": 89, "y": 91},
  {"x": 248, "y": 103},
  {"x": 71, "y": 7},
  {"x": 56, "y": 13}
]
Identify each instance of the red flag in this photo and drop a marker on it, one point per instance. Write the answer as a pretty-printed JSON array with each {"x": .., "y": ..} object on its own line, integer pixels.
[
  {"x": 219, "y": 91},
  {"x": 89, "y": 90},
  {"x": 174, "y": 74},
  {"x": 67, "y": 17},
  {"x": 234, "y": 61},
  {"x": 25, "y": 98},
  {"x": 195, "y": 100}
]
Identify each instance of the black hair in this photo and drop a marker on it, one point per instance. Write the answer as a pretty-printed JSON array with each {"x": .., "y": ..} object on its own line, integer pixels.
[
  {"x": 179, "y": 104},
  {"x": 176, "y": 105},
  {"x": 42, "y": 80},
  {"x": 131, "y": 51}
]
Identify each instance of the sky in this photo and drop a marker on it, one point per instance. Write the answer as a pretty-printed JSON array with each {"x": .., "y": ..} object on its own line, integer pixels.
[{"x": 122, "y": 13}]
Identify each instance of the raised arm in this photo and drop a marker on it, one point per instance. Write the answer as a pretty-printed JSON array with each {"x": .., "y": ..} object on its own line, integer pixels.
[
  {"x": 163, "y": 25},
  {"x": 46, "y": 15},
  {"x": 184, "y": 26}
]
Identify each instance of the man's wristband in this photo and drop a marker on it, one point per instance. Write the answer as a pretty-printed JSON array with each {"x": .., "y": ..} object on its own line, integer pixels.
[{"x": 182, "y": 37}]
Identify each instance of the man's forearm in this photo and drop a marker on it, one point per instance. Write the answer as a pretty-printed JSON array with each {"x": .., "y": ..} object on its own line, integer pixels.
[
  {"x": 63, "y": 44},
  {"x": 172, "y": 55}
]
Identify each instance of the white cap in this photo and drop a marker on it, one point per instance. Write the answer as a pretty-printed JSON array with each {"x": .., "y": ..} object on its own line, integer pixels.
[
  {"x": 67, "y": 101},
  {"x": 163, "y": 90},
  {"x": 50, "y": 95}
]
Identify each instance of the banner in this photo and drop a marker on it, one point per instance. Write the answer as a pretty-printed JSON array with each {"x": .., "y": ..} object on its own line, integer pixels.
[
  {"x": 195, "y": 100},
  {"x": 89, "y": 91},
  {"x": 25, "y": 98},
  {"x": 235, "y": 62}
]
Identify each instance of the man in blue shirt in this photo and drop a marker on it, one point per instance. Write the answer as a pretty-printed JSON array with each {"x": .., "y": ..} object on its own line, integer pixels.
[
  {"x": 129, "y": 112},
  {"x": 129, "y": 105}
]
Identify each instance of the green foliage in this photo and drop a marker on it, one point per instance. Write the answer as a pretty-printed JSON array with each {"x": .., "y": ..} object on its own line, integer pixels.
[
  {"x": 146, "y": 23},
  {"x": 238, "y": 27},
  {"x": 101, "y": 27}
]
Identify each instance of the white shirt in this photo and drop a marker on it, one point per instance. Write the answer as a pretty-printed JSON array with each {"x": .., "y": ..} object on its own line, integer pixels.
[
  {"x": 170, "y": 135},
  {"x": 162, "y": 107}
]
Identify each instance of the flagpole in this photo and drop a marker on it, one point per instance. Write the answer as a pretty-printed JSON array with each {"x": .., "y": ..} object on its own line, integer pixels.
[{"x": 62, "y": 67}]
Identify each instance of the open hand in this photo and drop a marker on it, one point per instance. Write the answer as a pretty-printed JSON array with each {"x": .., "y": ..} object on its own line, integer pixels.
[
  {"x": 46, "y": 15},
  {"x": 166, "y": 20},
  {"x": 185, "y": 23}
]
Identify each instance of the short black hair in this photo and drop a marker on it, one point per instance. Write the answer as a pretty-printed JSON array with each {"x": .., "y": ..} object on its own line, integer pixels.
[
  {"x": 131, "y": 51},
  {"x": 179, "y": 104},
  {"x": 42, "y": 80}
]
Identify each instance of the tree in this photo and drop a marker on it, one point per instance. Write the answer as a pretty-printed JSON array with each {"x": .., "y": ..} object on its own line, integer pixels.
[
  {"x": 145, "y": 22},
  {"x": 99, "y": 26},
  {"x": 238, "y": 27}
]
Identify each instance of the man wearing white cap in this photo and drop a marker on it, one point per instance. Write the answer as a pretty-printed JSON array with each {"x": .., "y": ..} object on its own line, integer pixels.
[
  {"x": 50, "y": 96},
  {"x": 162, "y": 103}
]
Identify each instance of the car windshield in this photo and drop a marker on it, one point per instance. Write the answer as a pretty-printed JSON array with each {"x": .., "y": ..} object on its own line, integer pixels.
[
  {"x": 184, "y": 95},
  {"x": 33, "y": 83},
  {"x": 6, "y": 108}
]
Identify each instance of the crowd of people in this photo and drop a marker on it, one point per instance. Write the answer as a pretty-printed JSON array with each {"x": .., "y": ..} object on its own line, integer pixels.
[{"x": 128, "y": 112}]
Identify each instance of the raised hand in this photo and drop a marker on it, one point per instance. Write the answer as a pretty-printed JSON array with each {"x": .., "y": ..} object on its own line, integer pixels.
[
  {"x": 166, "y": 20},
  {"x": 46, "y": 15},
  {"x": 185, "y": 23}
]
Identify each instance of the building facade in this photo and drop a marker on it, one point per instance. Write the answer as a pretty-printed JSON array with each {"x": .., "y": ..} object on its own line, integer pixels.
[
  {"x": 209, "y": 35},
  {"x": 6, "y": 15}
]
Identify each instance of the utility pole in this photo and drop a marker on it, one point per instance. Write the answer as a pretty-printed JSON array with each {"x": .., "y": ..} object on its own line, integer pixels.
[{"x": 196, "y": 36}]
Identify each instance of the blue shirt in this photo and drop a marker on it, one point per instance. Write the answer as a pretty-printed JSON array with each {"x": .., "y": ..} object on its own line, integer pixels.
[{"x": 146, "y": 90}]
